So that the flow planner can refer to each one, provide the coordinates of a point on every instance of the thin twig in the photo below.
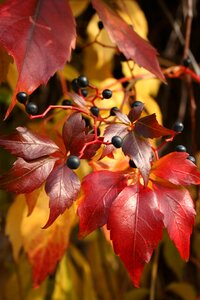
(154, 274)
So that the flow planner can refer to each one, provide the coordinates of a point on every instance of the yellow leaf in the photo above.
(45, 247)
(78, 6)
(5, 61)
(13, 224)
(133, 15)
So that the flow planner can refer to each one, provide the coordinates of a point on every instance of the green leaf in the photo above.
(184, 290)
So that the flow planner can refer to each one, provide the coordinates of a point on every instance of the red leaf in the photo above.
(28, 145)
(139, 150)
(127, 40)
(122, 117)
(62, 187)
(110, 131)
(90, 150)
(135, 112)
(177, 169)
(136, 228)
(74, 133)
(79, 100)
(41, 36)
(24, 177)
(178, 209)
(149, 127)
(100, 190)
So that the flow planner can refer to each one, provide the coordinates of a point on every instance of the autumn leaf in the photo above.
(139, 150)
(28, 145)
(136, 227)
(40, 50)
(73, 133)
(178, 210)
(5, 61)
(24, 177)
(62, 187)
(45, 248)
(177, 169)
(127, 40)
(149, 127)
(100, 190)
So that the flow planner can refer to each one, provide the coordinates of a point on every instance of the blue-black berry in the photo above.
(116, 141)
(31, 108)
(67, 102)
(136, 104)
(100, 25)
(94, 110)
(132, 164)
(84, 92)
(186, 62)
(83, 81)
(178, 126)
(73, 162)
(192, 159)
(113, 110)
(107, 94)
(180, 148)
(75, 85)
(22, 97)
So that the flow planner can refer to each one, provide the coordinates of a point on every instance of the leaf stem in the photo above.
(154, 273)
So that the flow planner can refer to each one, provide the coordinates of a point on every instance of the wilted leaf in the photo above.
(136, 228)
(28, 145)
(100, 190)
(40, 50)
(62, 187)
(127, 40)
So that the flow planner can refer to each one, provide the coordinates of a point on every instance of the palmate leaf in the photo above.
(73, 133)
(33, 39)
(136, 227)
(28, 145)
(177, 169)
(127, 40)
(62, 187)
(178, 210)
(24, 177)
(148, 127)
(139, 150)
(100, 190)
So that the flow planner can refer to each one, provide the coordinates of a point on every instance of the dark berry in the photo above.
(95, 111)
(22, 97)
(31, 108)
(83, 81)
(87, 121)
(84, 92)
(67, 102)
(107, 94)
(178, 126)
(186, 62)
(113, 110)
(73, 162)
(136, 104)
(192, 158)
(75, 85)
(116, 141)
(132, 164)
(180, 148)
(100, 25)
